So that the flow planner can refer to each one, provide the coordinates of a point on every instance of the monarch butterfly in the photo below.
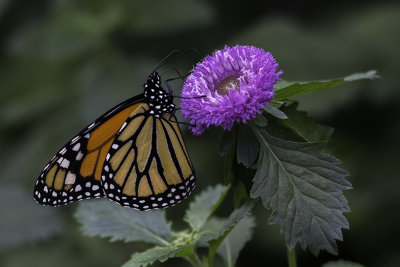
(134, 154)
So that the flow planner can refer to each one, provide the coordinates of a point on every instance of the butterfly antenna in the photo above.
(169, 57)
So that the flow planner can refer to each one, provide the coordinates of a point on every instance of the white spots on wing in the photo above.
(76, 147)
(63, 150)
(106, 168)
(95, 187)
(45, 189)
(60, 160)
(78, 188)
(76, 138)
(108, 156)
(54, 194)
(45, 168)
(88, 184)
(79, 156)
(114, 146)
(97, 195)
(123, 126)
(70, 179)
(87, 194)
(91, 126)
(87, 136)
(112, 186)
(65, 163)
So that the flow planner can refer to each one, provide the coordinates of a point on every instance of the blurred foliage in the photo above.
(63, 63)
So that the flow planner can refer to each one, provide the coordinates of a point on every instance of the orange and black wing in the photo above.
(74, 172)
(147, 166)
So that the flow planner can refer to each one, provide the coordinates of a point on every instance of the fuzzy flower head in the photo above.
(235, 82)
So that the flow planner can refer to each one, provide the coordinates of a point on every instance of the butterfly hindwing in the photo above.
(74, 172)
(148, 166)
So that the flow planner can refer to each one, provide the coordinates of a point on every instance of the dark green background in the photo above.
(63, 63)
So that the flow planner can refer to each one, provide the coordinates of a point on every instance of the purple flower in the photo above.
(236, 84)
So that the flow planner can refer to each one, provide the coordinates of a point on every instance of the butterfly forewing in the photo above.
(74, 172)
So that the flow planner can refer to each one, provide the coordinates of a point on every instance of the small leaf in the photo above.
(236, 240)
(106, 219)
(204, 205)
(234, 218)
(154, 254)
(342, 263)
(276, 112)
(304, 188)
(302, 88)
(247, 146)
(304, 126)
(225, 142)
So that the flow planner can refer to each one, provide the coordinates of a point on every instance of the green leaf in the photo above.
(235, 241)
(204, 205)
(225, 142)
(276, 112)
(155, 254)
(302, 88)
(106, 219)
(225, 228)
(304, 126)
(304, 188)
(247, 146)
(342, 263)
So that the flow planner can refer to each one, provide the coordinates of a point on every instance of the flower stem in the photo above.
(291, 254)
(194, 260)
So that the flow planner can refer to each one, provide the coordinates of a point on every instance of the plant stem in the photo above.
(291, 254)
(194, 260)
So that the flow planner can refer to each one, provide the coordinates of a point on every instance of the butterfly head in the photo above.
(158, 99)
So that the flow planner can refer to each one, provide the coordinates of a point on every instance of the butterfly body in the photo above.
(134, 155)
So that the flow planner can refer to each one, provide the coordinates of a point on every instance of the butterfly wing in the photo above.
(148, 166)
(74, 172)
